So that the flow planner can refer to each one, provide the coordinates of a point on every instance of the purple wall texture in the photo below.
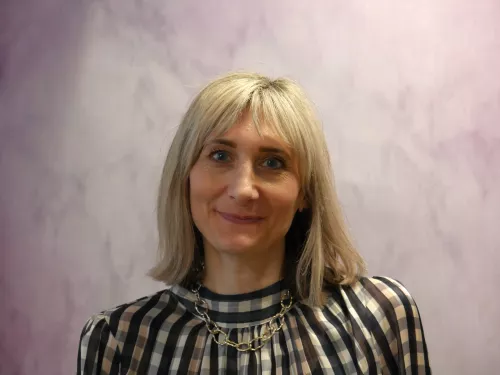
(90, 94)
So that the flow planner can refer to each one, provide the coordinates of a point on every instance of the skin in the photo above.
(244, 174)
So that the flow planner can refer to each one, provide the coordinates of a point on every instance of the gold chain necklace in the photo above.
(273, 325)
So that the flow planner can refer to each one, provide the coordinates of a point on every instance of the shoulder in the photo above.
(389, 315)
(103, 337)
(118, 320)
(382, 305)
(388, 292)
(380, 293)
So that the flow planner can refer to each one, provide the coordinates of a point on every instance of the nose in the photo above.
(242, 186)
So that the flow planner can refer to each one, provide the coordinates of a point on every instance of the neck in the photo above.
(241, 273)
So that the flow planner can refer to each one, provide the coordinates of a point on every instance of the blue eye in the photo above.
(222, 156)
(274, 163)
(219, 155)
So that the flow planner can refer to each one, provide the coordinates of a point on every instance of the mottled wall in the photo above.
(90, 94)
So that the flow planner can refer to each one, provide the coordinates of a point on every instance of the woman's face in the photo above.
(244, 190)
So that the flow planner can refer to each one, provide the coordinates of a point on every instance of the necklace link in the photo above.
(272, 326)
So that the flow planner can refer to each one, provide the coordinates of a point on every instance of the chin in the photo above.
(236, 247)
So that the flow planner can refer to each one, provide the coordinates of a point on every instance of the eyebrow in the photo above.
(227, 142)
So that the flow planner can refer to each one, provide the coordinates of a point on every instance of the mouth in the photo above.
(240, 219)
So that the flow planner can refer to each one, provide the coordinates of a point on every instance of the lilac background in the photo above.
(91, 92)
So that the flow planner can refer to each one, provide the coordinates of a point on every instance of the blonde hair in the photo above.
(319, 249)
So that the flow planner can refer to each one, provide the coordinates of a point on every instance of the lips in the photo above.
(240, 219)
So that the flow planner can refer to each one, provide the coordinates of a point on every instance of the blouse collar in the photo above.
(236, 309)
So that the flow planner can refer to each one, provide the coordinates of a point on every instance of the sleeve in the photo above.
(406, 334)
(98, 352)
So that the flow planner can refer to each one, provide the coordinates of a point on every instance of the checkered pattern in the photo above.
(372, 327)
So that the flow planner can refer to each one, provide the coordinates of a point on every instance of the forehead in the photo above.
(247, 131)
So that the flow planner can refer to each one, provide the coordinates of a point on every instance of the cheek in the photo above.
(286, 193)
(197, 179)
(285, 203)
(201, 188)
(194, 192)
(196, 202)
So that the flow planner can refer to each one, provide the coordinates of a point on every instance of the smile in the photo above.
(237, 219)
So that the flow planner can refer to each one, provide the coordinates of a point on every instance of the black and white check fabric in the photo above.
(372, 327)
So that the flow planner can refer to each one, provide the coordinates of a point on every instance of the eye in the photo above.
(274, 163)
(219, 155)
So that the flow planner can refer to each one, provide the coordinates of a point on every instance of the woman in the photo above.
(263, 275)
